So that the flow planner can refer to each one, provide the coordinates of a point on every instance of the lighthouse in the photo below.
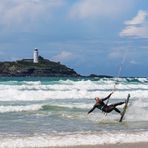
(35, 56)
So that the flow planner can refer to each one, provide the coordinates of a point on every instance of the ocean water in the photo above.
(47, 112)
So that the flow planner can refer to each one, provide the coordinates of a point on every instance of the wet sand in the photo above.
(125, 145)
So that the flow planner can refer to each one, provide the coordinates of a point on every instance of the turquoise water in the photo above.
(42, 112)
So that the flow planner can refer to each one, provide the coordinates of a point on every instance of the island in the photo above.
(44, 68)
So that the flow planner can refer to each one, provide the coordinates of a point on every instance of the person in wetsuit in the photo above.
(104, 107)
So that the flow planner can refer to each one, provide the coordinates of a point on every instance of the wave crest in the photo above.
(4, 109)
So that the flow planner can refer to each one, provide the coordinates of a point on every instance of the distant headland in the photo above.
(26, 67)
(38, 67)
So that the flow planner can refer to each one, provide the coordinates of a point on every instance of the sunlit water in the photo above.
(42, 112)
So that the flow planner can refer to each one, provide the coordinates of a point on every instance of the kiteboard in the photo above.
(124, 108)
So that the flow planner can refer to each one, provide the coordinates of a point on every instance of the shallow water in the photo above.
(37, 112)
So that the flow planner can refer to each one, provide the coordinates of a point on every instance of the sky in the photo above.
(103, 37)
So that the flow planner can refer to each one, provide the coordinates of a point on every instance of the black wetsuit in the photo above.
(106, 108)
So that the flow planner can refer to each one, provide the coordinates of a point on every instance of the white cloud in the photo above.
(63, 56)
(138, 19)
(93, 8)
(24, 12)
(136, 27)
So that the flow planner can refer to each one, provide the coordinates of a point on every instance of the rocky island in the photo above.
(39, 67)
(44, 67)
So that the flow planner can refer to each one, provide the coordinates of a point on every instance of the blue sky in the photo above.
(90, 36)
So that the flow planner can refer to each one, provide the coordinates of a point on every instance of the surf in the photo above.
(66, 139)
(71, 89)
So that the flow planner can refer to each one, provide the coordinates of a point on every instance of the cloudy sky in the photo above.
(90, 36)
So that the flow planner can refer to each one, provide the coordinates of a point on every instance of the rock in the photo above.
(26, 67)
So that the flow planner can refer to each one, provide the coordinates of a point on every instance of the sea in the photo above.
(53, 112)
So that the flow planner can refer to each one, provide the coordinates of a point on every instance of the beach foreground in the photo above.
(123, 145)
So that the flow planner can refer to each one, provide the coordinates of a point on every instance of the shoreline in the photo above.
(118, 145)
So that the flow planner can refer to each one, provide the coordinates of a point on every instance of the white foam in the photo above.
(30, 91)
(34, 95)
(142, 80)
(32, 82)
(137, 111)
(73, 139)
(4, 109)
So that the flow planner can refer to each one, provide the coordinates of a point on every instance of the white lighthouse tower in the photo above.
(35, 56)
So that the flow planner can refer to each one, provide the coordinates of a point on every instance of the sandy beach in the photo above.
(125, 145)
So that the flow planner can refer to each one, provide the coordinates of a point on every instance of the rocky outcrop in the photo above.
(26, 67)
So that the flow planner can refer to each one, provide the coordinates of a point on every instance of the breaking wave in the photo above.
(69, 89)
(20, 108)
